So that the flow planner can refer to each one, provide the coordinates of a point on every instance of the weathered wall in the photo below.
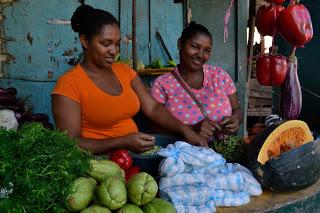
(43, 46)
(230, 55)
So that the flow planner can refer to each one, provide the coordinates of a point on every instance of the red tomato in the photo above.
(271, 70)
(131, 172)
(266, 19)
(295, 25)
(122, 158)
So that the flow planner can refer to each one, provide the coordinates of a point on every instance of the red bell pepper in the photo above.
(131, 172)
(122, 158)
(271, 70)
(277, 1)
(266, 19)
(295, 25)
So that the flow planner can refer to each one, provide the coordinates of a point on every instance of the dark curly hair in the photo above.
(89, 21)
(192, 29)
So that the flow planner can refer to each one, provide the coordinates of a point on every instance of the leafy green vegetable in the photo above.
(41, 164)
(231, 148)
(152, 151)
(155, 64)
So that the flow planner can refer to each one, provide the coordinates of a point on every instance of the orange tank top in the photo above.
(102, 115)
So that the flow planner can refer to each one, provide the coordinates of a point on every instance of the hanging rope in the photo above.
(226, 21)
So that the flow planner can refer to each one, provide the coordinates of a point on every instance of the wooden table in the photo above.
(305, 201)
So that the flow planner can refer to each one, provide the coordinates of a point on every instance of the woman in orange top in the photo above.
(96, 100)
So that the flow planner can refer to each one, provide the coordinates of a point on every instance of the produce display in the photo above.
(152, 151)
(122, 158)
(291, 95)
(295, 25)
(142, 188)
(39, 165)
(43, 170)
(231, 148)
(130, 208)
(23, 112)
(102, 169)
(271, 70)
(285, 157)
(158, 205)
(266, 19)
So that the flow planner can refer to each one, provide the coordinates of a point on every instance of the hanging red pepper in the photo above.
(122, 158)
(277, 1)
(266, 19)
(131, 172)
(271, 70)
(295, 25)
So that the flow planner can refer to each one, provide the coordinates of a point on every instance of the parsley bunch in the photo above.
(41, 165)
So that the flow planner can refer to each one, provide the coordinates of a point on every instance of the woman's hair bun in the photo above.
(81, 13)
(192, 23)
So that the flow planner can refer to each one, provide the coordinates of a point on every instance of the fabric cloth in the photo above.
(217, 86)
(102, 115)
(197, 179)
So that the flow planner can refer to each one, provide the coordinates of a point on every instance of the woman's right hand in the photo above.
(207, 128)
(139, 142)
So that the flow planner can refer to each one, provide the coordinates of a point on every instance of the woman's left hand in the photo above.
(195, 139)
(230, 124)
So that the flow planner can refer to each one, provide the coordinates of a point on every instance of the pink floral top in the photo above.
(217, 86)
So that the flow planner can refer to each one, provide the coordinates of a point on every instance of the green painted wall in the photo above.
(230, 55)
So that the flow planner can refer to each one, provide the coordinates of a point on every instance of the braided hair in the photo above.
(89, 21)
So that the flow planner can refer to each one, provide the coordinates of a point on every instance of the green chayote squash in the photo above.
(130, 208)
(158, 205)
(101, 169)
(95, 209)
(112, 193)
(81, 193)
(142, 188)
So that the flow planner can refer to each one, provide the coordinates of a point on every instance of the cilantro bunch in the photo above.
(40, 165)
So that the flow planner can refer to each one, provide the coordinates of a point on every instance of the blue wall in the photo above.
(43, 46)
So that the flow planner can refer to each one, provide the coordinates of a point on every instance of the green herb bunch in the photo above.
(41, 164)
(231, 148)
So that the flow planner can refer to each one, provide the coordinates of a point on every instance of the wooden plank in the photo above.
(254, 84)
(259, 111)
(260, 93)
(305, 200)
(259, 102)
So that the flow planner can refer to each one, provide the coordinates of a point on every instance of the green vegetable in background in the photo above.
(155, 64)
(95, 209)
(158, 205)
(102, 169)
(231, 148)
(112, 193)
(81, 193)
(171, 63)
(130, 208)
(152, 151)
(142, 188)
(41, 164)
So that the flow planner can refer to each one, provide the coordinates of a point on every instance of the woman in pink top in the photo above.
(212, 86)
